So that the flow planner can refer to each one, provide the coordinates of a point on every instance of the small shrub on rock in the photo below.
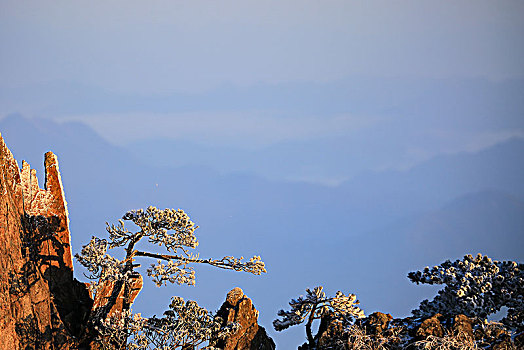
(316, 306)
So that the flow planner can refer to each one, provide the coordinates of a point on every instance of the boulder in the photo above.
(376, 323)
(430, 326)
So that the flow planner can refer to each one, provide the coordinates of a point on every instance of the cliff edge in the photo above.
(41, 305)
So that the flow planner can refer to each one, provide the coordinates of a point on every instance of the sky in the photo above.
(252, 75)
(158, 47)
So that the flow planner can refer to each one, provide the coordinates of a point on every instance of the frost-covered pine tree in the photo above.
(185, 323)
(476, 287)
(314, 306)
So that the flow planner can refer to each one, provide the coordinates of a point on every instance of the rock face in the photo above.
(41, 305)
(106, 290)
(36, 270)
(251, 336)
(376, 323)
(430, 326)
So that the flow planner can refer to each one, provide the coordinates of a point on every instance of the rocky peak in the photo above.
(41, 305)
(251, 336)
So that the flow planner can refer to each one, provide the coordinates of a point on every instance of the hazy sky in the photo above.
(155, 47)
(409, 77)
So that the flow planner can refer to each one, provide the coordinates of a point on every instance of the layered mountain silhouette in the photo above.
(362, 236)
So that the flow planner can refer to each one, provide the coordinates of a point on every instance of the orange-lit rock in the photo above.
(239, 308)
(41, 305)
(107, 289)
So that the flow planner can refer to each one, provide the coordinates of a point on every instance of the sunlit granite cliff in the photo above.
(42, 306)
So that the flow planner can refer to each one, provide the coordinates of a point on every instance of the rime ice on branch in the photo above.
(476, 287)
(174, 230)
(315, 305)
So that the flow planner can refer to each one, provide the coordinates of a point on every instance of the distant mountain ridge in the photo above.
(487, 221)
(409, 110)
(348, 237)
(325, 160)
(434, 182)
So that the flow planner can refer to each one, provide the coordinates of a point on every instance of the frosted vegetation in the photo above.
(185, 324)
(315, 306)
(476, 287)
